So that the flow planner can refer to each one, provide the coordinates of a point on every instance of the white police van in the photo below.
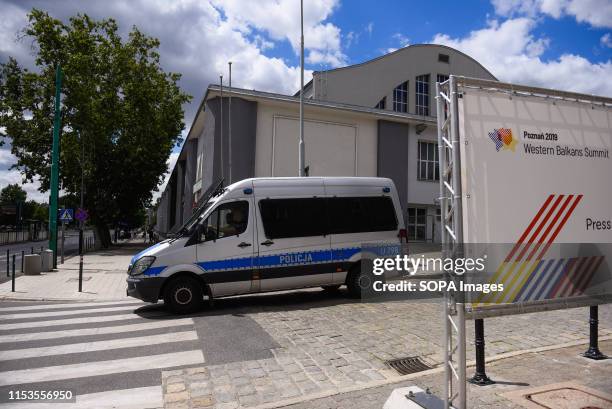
(269, 234)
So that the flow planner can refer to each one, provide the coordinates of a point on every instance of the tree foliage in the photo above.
(12, 194)
(121, 113)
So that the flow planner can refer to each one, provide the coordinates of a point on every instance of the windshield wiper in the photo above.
(213, 191)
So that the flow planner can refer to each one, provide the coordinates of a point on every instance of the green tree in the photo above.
(12, 194)
(121, 114)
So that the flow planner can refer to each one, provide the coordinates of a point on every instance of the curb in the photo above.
(402, 378)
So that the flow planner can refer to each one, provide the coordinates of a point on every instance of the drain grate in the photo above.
(408, 365)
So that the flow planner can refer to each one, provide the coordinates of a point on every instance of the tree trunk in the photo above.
(103, 234)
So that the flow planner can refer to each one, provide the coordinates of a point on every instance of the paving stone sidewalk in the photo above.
(331, 346)
(521, 372)
(104, 274)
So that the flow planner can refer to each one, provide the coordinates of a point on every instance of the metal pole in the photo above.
(7, 263)
(301, 161)
(22, 259)
(229, 125)
(63, 240)
(458, 250)
(55, 154)
(13, 277)
(461, 370)
(221, 125)
(82, 205)
(445, 310)
(480, 378)
(593, 352)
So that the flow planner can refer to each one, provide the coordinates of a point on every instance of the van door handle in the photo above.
(267, 243)
(244, 244)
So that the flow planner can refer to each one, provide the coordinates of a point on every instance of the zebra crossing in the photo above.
(109, 354)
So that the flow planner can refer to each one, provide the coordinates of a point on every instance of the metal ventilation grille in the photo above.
(408, 365)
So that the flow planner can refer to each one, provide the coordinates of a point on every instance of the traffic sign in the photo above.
(65, 215)
(81, 215)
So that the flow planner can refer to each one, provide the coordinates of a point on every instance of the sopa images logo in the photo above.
(503, 139)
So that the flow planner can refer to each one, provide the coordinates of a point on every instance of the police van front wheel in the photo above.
(184, 295)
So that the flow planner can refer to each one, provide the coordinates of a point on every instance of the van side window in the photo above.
(284, 218)
(229, 219)
(361, 214)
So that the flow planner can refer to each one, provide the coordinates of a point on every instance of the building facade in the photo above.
(371, 119)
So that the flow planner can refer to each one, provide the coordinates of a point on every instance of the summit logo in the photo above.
(503, 139)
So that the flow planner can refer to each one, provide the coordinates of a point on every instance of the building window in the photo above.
(422, 94)
(400, 98)
(428, 168)
(442, 78)
(382, 104)
(417, 223)
(443, 58)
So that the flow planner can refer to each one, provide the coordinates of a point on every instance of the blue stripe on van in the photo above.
(154, 271)
(230, 264)
(279, 260)
(276, 260)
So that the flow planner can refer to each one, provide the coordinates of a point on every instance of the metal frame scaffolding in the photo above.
(452, 241)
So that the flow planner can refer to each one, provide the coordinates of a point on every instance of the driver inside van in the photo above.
(235, 222)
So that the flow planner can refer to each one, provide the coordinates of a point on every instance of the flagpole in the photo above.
(301, 142)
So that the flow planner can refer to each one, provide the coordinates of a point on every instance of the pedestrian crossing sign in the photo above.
(65, 215)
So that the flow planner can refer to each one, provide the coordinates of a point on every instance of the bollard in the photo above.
(7, 263)
(22, 257)
(32, 252)
(480, 378)
(13, 278)
(593, 352)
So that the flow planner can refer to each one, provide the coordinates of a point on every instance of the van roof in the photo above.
(310, 180)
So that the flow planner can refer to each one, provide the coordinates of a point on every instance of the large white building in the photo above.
(371, 119)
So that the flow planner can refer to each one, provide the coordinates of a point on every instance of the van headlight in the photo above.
(141, 265)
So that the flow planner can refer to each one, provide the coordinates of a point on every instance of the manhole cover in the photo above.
(569, 398)
(408, 365)
(565, 395)
(76, 279)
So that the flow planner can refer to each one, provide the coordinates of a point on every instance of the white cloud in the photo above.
(597, 13)
(606, 40)
(369, 28)
(280, 19)
(511, 52)
(8, 177)
(6, 158)
(401, 39)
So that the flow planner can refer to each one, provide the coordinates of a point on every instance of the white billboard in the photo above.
(536, 175)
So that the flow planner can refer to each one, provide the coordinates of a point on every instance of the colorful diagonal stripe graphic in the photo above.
(525, 273)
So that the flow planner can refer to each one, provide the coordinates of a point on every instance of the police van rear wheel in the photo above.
(360, 283)
(184, 295)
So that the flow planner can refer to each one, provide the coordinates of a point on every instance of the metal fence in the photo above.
(17, 236)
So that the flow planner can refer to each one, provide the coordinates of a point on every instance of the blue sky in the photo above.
(565, 44)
